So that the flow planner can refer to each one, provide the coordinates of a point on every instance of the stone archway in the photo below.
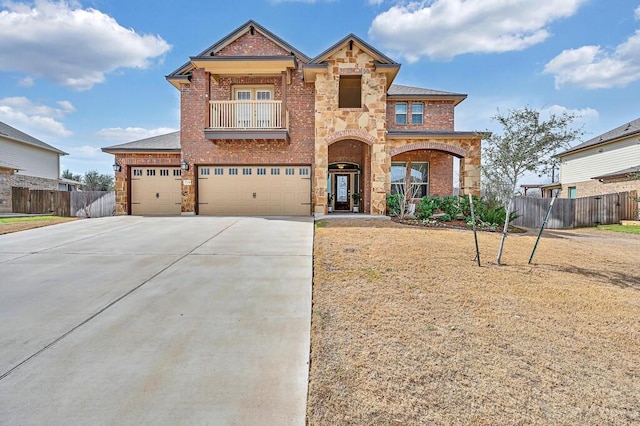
(356, 134)
(435, 146)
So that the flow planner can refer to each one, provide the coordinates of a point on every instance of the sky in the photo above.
(82, 75)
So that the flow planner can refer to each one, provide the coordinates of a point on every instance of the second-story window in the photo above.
(417, 109)
(401, 113)
(350, 91)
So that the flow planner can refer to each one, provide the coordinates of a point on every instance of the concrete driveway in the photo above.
(174, 320)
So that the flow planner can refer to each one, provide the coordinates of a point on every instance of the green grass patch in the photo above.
(321, 224)
(8, 220)
(627, 229)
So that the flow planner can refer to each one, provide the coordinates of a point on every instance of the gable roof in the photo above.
(18, 136)
(398, 91)
(375, 53)
(169, 142)
(624, 131)
(381, 62)
(251, 25)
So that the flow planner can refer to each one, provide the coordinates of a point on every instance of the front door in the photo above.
(343, 190)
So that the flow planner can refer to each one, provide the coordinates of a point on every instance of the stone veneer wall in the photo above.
(127, 161)
(8, 180)
(366, 124)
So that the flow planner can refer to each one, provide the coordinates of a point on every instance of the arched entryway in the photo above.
(349, 174)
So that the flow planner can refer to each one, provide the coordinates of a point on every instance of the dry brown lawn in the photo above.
(407, 329)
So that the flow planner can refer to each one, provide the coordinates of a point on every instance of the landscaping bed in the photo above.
(407, 329)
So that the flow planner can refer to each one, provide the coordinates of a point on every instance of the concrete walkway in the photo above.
(176, 320)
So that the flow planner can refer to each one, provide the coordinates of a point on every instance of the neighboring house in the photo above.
(605, 164)
(267, 130)
(26, 162)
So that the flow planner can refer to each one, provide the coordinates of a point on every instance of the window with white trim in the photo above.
(398, 177)
(419, 179)
(417, 109)
(401, 113)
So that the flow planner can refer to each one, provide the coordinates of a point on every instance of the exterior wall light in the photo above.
(116, 167)
(184, 165)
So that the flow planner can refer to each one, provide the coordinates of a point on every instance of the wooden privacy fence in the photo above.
(93, 203)
(63, 203)
(573, 213)
(38, 201)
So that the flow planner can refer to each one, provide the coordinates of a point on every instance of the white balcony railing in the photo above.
(246, 115)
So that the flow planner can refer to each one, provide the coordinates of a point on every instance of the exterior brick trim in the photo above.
(357, 134)
(454, 150)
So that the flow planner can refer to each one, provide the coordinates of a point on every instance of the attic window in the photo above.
(350, 89)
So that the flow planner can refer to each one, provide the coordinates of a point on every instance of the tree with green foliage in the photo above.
(94, 181)
(67, 174)
(526, 145)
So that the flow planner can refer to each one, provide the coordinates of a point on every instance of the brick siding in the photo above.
(436, 116)
(130, 160)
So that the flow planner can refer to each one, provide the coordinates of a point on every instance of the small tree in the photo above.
(526, 144)
(405, 192)
(92, 181)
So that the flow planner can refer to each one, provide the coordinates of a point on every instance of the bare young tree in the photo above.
(527, 144)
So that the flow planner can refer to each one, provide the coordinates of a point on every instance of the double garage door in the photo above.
(254, 190)
(156, 190)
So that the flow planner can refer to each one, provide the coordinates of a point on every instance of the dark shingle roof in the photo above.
(400, 90)
(626, 172)
(628, 129)
(167, 142)
(15, 134)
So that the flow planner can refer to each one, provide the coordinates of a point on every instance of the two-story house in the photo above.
(605, 164)
(27, 162)
(267, 130)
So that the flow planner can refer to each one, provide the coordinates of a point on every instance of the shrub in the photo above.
(426, 207)
(449, 205)
(445, 218)
(393, 204)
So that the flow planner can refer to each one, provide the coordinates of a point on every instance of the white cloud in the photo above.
(72, 46)
(593, 67)
(638, 13)
(375, 2)
(26, 82)
(35, 119)
(129, 134)
(585, 118)
(86, 152)
(442, 29)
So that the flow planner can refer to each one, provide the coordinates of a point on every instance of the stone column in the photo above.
(320, 176)
(379, 178)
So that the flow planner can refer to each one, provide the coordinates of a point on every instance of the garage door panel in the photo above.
(156, 191)
(254, 190)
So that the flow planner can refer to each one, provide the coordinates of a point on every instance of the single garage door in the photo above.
(156, 190)
(254, 190)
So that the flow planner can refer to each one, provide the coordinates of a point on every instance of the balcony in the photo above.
(247, 120)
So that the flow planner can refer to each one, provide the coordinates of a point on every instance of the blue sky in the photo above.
(82, 75)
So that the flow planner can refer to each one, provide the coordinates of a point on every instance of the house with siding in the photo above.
(26, 162)
(268, 130)
(605, 164)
